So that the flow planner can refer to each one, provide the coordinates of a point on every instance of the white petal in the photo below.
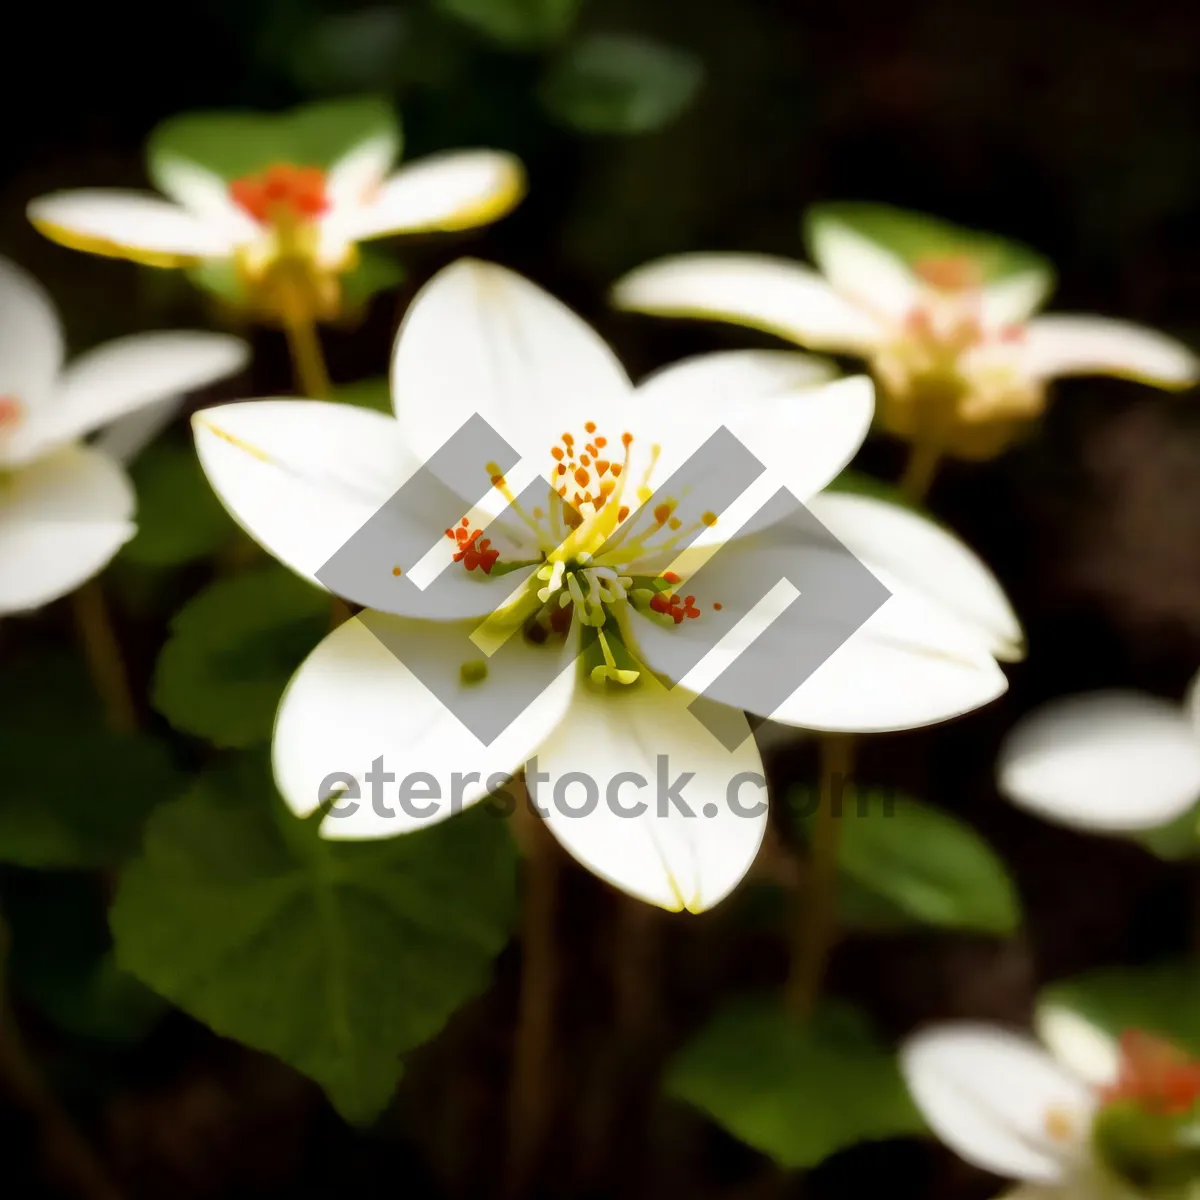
(1110, 761)
(124, 375)
(353, 701)
(128, 436)
(133, 225)
(301, 476)
(781, 406)
(61, 519)
(481, 339)
(1014, 299)
(996, 1098)
(355, 177)
(206, 195)
(775, 294)
(31, 343)
(863, 271)
(926, 557)
(1083, 1048)
(909, 663)
(444, 192)
(1061, 344)
(661, 856)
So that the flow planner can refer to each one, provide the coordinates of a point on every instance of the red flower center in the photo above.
(282, 192)
(10, 413)
(1155, 1075)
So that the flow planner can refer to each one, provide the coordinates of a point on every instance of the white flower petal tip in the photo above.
(999, 1100)
(1064, 344)
(928, 558)
(778, 295)
(1104, 761)
(1078, 1044)
(641, 793)
(480, 339)
(122, 376)
(301, 476)
(446, 193)
(133, 225)
(31, 342)
(61, 521)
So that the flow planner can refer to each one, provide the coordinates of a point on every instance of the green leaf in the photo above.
(373, 273)
(914, 236)
(233, 649)
(518, 24)
(614, 83)
(904, 859)
(366, 393)
(351, 51)
(234, 144)
(75, 794)
(179, 516)
(1177, 840)
(1163, 999)
(796, 1092)
(337, 957)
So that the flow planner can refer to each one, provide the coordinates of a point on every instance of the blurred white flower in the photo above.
(290, 230)
(1097, 1120)
(961, 363)
(1107, 761)
(66, 507)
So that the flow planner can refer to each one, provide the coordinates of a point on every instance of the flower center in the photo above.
(281, 195)
(598, 526)
(1147, 1130)
(11, 411)
(1155, 1075)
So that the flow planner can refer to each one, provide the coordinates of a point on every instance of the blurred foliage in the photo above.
(904, 862)
(798, 1091)
(337, 957)
(82, 793)
(232, 650)
(178, 516)
(236, 144)
(914, 237)
(1159, 999)
(611, 83)
(522, 24)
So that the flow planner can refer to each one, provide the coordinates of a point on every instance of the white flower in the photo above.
(1107, 761)
(65, 507)
(303, 477)
(286, 213)
(959, 361)
(1097, 1120)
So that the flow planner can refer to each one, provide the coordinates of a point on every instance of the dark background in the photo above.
(1069, 124)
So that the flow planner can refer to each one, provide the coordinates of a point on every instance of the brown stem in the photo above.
(102, 652)
(71, 1159)
(816, 919)
(530, 1098)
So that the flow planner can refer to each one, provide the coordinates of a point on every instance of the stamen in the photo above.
(282, 193)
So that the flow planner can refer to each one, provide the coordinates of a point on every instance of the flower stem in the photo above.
(816, 920)
(304, 346)
(530, 1098)
(920, 470)
(103, 654)
(68, 1154)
